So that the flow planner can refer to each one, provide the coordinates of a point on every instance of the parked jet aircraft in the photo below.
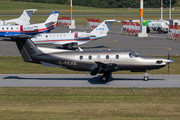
(95, 62)
(68, 40)
(22, 20)
(32, 29)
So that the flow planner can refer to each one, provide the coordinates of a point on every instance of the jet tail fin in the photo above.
(103, 28)
(26, 48)
(23, 19)
(53, 17)
(26, 16)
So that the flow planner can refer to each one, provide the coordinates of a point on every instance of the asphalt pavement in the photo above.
(80, 80)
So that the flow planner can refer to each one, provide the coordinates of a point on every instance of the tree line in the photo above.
(109, 3)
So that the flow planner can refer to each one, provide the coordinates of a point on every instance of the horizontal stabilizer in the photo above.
(104, 27)
(51, 50)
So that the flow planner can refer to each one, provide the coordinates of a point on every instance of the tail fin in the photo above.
(26, 16)
(26, 48)
(53, 17)
(23, 19)
(104, 27)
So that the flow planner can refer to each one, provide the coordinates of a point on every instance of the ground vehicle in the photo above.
(161, 26)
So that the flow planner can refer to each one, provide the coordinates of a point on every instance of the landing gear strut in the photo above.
(107, 75)
(146, 78)
(68, 46)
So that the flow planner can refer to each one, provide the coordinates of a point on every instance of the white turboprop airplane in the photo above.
(32, 29)
(22, 20)
(68, 40)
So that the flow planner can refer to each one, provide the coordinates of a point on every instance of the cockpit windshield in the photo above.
(134, 55)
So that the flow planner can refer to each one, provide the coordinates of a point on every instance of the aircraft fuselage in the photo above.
(86, 60)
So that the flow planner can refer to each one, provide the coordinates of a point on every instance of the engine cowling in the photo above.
(21, 28)
(81, 35)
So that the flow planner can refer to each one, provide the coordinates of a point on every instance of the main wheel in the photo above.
(104, 78)
(146, 78)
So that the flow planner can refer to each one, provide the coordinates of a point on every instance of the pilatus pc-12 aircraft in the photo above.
(95, 62)
(68, 40)
(32, 29)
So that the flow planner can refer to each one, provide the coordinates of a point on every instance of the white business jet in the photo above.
(68, 40)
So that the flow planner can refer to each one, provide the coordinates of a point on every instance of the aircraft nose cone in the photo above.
(170, 61)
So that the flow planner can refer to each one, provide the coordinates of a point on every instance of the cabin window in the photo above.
(17, 28)
(11, 28)
(64, 35)
(46, 36)
(81, 57)
(2, 28)
(98, 57)
(90, 57)
(117, 56)
(53, 35)
(7, 28)
(50, 36)
(107, 57)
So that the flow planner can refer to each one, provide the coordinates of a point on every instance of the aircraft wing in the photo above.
(65, 43)
(102, 67)
(106, 65)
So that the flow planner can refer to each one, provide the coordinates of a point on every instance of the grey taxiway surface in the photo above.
(155, 44)
(71, 80)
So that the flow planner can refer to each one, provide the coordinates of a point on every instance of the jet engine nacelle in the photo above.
(81, 35)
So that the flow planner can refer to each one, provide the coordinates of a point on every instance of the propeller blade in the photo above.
(168, 68)
(168, 59)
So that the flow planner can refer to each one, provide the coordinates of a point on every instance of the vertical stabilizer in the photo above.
(53, 17)
(26, 16)
(26, 47)
(23, 19)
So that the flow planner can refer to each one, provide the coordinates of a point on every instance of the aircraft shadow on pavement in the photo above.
(93, 80)
(7, 39)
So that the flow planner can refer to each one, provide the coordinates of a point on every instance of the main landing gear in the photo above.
(146, 78)
(106, 76)
(68, 46)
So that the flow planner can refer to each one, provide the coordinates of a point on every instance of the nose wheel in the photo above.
(146, 78)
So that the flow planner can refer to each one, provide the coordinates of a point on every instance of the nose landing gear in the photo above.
(146, 78)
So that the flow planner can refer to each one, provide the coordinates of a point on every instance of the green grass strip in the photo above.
(89, 103)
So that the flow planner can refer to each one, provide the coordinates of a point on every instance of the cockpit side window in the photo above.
(137, 54)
